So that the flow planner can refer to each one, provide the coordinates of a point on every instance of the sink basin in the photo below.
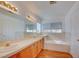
(7, 48)
(9, 45)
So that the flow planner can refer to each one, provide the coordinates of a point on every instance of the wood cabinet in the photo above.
(31, 51)
(27, 52)
(37, 47)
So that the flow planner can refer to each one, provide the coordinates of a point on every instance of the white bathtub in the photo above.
(57, 45)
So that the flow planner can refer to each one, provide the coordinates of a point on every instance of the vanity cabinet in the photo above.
(30, 51)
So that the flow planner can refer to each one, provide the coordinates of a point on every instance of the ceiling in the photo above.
(43, 11)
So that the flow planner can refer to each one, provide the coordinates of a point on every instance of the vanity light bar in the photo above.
(8, 5)
(31, 18)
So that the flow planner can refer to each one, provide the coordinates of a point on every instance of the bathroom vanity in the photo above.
(27, 48)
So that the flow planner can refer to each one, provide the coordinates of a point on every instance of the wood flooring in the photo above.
(53, 54)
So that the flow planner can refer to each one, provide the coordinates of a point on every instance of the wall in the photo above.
(72, 27)
(75, 31)
(11, 27)
(67, 23)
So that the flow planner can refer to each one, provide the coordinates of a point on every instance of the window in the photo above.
(52, 27)
(38, 27)
(31, 28)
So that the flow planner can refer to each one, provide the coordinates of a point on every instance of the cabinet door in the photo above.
(26, 53)
(35, 49)
(40, 45)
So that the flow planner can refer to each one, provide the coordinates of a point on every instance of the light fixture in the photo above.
(31, 18)
(8, 5)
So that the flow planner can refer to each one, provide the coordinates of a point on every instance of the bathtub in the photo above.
(57, 45)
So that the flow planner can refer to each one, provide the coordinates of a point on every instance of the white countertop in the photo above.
(18, 46)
